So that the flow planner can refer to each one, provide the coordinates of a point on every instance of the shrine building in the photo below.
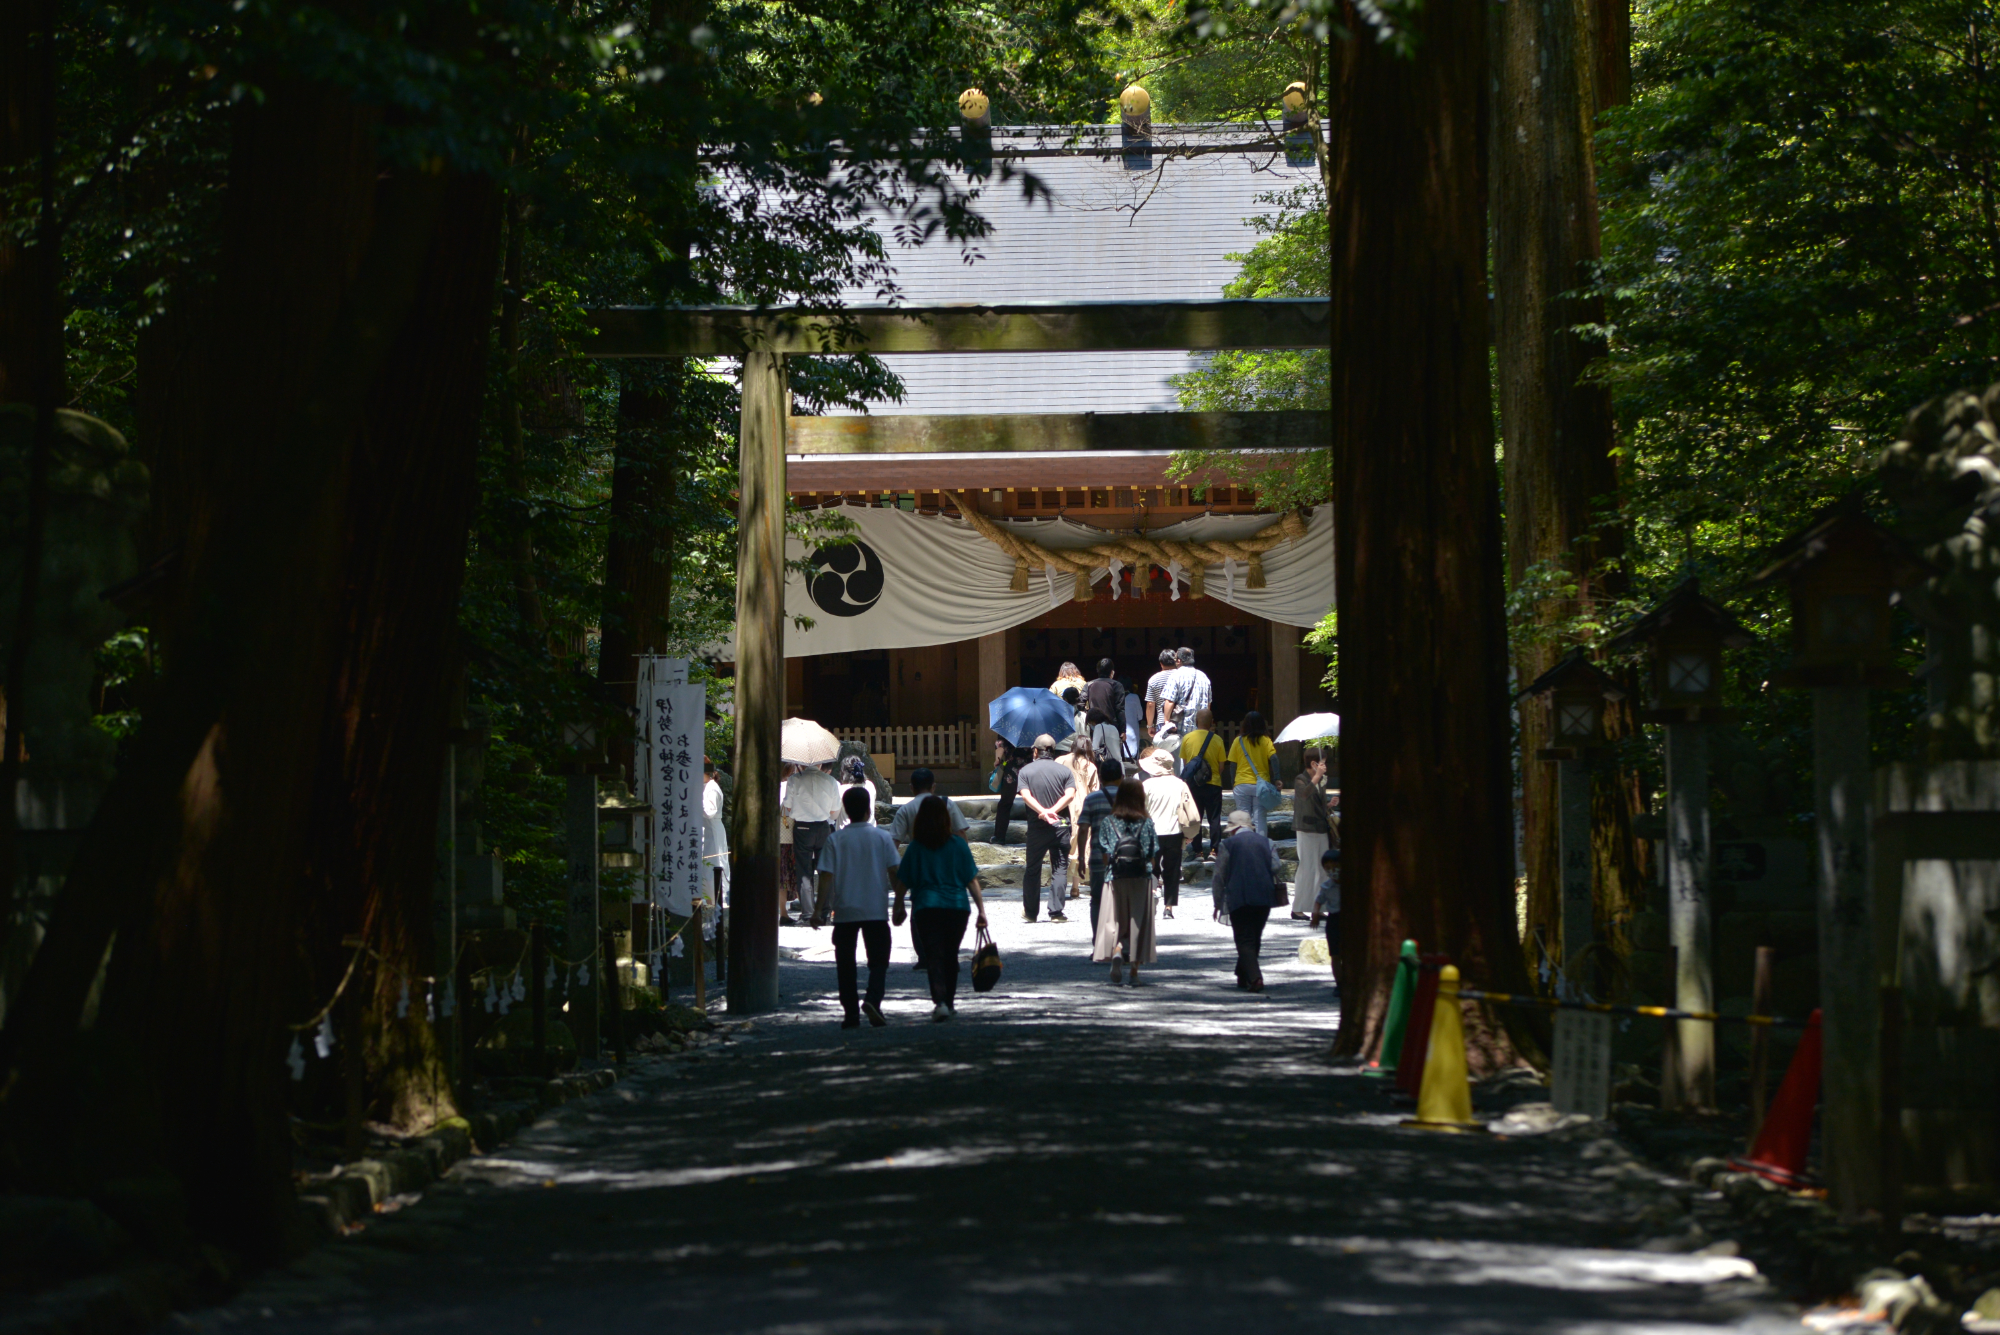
(932, 611)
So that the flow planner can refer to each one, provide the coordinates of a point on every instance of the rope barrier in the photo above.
(1136, 549)
(1608, 1008)
(333, 1000)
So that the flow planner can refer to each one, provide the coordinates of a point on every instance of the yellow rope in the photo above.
(1138, 550)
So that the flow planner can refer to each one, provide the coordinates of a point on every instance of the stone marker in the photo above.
(1581, 1081)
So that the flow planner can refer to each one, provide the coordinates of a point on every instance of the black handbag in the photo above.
(985, 963)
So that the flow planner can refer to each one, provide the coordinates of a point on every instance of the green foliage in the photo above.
(1799, 229)
(1799, 233)
(124, 666)
(1290, 260)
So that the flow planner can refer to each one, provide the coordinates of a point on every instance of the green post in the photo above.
(1400, 998)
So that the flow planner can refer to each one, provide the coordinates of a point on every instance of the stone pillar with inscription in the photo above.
(1848, 1003)
(580, 824)
(1688, 915)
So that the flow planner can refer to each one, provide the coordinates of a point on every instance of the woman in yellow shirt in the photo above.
(1202, 739)
(1252, 751)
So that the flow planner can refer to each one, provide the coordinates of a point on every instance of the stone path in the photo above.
(1065, 1157)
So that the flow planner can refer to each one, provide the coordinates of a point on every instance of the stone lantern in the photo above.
(1135, 128)
(1843, 572)
(975, 130)
(1684, 637)
(1576, 691)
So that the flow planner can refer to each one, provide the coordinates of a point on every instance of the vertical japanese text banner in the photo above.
(673, 736)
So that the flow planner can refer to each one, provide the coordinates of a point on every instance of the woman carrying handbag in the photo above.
(1251, 754)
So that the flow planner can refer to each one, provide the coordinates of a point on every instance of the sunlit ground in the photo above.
(1066, 1156)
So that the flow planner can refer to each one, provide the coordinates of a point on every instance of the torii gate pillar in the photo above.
(760, 686)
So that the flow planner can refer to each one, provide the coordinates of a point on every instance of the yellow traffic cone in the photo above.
(1444, 1102)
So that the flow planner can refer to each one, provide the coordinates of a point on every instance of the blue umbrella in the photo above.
(1026, 712)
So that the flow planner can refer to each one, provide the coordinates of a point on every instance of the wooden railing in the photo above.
(959, 745)
(931, 745)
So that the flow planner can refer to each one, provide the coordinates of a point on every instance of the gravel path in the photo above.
(1065, 1157)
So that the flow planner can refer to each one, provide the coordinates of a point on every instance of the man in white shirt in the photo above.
(812, 796)
(1189, 690)
(1159, 711)
(922, 781)
(854, 870)
(714, 837)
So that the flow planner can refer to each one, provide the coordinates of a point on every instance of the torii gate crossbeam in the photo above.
(763, 337)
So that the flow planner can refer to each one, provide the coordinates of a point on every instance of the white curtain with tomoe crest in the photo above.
(908, 580)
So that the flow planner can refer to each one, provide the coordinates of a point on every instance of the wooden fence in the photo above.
(959, 745)
(931, 745)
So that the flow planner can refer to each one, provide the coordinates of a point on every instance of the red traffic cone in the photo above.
(1417, 1036)
(1780, 1152)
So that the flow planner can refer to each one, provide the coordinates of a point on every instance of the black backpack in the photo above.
(1128, 858)
(1197, 770)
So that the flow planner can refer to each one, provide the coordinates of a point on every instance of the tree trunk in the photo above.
(372, 864)
(196, 848)
(31, 360)
(1427, 834)
(1558, 431)
(521, 541)
(639, 551)
(28, 356)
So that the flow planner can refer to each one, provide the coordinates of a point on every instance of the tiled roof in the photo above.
(1102, 232)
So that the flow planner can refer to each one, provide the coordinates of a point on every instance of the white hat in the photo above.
(1242, 820)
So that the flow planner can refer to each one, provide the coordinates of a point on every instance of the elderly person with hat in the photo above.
(1247, 888)
(1048, 786)
(1170, 802)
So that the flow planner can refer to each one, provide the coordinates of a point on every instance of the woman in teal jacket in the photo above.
(938, 874)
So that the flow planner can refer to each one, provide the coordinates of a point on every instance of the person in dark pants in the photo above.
(854, 880)
(1327, 905)
(938, 874)
(1095, 808)
(1246, 888)
(1203, 742)
(1007, 765)
(1047, 786)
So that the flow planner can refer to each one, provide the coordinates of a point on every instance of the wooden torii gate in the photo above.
(764, 337)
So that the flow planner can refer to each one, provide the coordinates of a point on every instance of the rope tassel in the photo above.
(1020, 584)
(1256, 580)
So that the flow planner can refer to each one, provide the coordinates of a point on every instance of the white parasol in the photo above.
(804, 742)
(1310, 728)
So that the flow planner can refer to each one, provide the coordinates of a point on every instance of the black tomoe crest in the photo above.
(846, 579)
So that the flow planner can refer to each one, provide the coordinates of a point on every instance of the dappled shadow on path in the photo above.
(1064, 1157)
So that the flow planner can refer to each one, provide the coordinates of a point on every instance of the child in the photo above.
(1327, 903)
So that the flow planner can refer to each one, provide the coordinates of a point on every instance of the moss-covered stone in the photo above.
(508, 1047)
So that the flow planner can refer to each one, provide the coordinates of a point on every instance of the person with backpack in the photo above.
(1247, 888)
(1172, 808)
(1082, 762)
(1104, 712)
(1159, 722)
(1096, 806)
(1250, 754)
(1006, 782)
(1130, 849)
(1203, 757)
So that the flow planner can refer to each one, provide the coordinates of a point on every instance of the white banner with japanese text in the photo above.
(671, 730)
